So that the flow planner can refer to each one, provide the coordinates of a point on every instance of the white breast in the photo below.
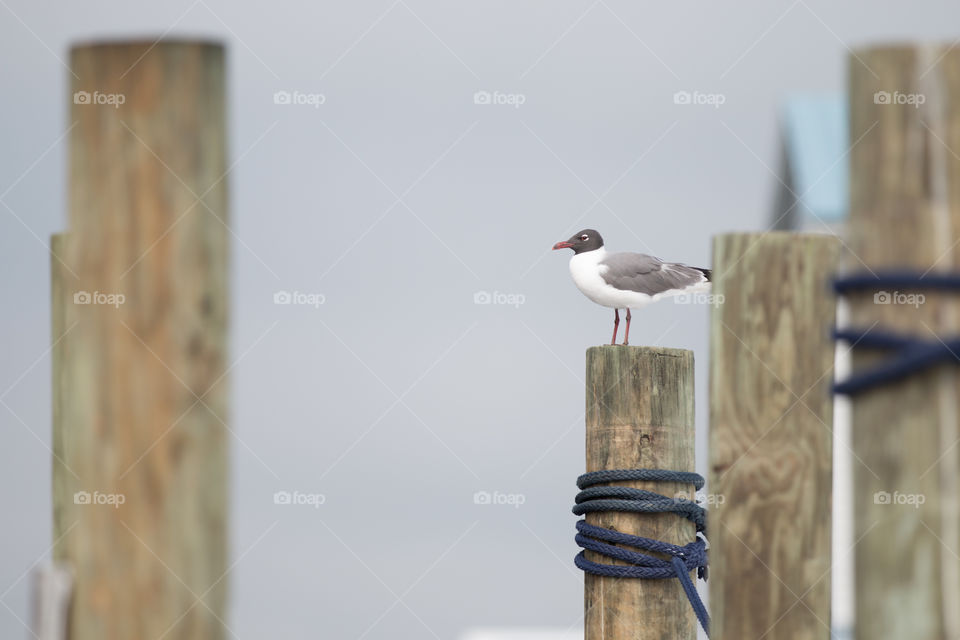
(587, 274)
(585, 269)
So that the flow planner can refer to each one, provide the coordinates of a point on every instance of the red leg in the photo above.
(616, 323)
(626, 334)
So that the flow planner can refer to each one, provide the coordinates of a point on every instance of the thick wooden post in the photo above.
(905, 213)
(771, 416)
(640, 415)
(139, 400)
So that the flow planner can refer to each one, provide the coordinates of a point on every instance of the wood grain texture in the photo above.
(128, 376)
(905, 212)
(771, 416)
(640, 415)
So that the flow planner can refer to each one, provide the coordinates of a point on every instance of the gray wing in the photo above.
(649, 275)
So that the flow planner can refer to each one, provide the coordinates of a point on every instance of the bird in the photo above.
(627, 280)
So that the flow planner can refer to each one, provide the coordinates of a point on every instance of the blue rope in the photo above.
(682, 560)
(897, 278)
(911, 354)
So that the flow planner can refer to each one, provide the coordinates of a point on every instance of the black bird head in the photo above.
(586, 240)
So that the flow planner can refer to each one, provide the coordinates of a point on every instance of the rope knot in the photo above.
(683, 559)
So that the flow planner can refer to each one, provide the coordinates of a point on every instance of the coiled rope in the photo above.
(910, 353)
(599, 540)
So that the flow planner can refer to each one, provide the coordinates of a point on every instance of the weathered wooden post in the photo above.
(771, 411)
(905, 213)
(640, 415)
(140, 476)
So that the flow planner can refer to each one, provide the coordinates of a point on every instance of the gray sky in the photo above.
(398, 199)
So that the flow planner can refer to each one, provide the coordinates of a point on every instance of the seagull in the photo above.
(625, 280)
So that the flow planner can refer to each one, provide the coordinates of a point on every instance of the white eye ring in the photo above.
(584, 237)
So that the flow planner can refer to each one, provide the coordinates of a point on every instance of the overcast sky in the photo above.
(399, 199)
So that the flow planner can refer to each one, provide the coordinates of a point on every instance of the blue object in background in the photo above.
(815, 164)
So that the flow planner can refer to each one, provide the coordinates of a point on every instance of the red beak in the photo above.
(562, 245)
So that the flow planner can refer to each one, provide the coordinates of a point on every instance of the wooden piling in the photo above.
(905, 213)
(771, 415)
(640, 415)
(140, 476)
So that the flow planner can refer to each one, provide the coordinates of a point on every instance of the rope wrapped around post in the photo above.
(683, 559)
(911, 354)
